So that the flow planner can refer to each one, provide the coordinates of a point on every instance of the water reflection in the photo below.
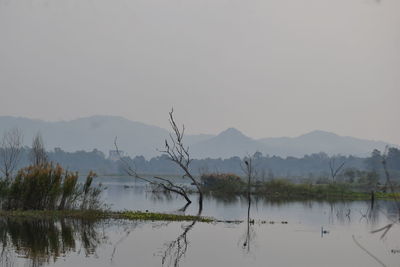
(177, 248)
(249, 234)
(262, 235)
(43, 241)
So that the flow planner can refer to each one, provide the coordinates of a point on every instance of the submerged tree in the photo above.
(176, 152)
(179, 154)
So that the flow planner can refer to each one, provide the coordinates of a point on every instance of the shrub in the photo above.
(222, 183)
(48, 187)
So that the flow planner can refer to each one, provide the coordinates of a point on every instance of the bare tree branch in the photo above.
(10, 150)
(164, 183)
(179, 154)
(38, 153)
(333, 169)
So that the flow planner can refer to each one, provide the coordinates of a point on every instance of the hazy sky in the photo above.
(266, 67)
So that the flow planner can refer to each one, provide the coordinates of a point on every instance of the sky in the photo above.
(267, 67)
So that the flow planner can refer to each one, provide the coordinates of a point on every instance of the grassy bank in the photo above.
(280, 189)
(95, 215)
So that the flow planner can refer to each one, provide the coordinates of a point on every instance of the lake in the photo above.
(306, 233)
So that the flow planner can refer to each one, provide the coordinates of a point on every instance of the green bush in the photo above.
(48, 187)
(222, 183)
(279, 188)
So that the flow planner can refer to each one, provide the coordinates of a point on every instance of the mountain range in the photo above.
(136, 138)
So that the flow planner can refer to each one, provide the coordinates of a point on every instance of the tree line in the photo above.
(314, 166)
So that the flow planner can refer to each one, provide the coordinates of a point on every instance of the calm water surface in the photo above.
(345, 239)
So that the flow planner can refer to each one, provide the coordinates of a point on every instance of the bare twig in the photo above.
(333, 169)
(10, 150)
(38, 153)
(179, 154)
(164, 183)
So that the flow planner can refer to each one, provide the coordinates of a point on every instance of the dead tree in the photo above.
(158, 182)
(389, 182)
(38, 155)
(334, 170)
(10, 150)
(179, 154)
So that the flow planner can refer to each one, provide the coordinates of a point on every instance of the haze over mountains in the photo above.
(136, 138)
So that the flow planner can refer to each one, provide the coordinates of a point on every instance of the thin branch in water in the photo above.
(366, 251)
(385, 230)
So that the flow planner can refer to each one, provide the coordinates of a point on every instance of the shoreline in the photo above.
(100, 215)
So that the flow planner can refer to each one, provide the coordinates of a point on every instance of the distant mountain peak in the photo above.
(232, 132)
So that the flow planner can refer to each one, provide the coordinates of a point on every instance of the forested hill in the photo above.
(314, 165)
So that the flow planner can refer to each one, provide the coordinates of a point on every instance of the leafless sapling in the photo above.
(38, 155)
(10, 151)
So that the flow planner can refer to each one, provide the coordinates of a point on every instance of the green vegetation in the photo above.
(284, 189)
(231, 184)
(146, 216)
(224, 183)
(97, 214)
(47, 191)
(48, 187)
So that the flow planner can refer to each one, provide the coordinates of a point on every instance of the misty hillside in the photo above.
(137, 138)
(228, 143)
(321, 141)
(92, 132)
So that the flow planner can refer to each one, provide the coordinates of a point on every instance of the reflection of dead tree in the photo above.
(370, 215)
(179, 154)
(249, 235)
(389, 181)
(389, 184)
(177, 248)
(366, 251)
(334, 170)
(248, 169)
(127, 232)
(10, 150)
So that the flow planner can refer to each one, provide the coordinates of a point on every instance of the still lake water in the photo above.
(269, 241)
